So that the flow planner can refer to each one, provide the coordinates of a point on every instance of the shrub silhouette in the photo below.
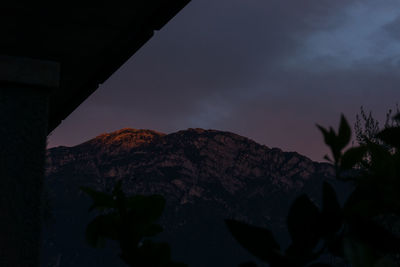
(367, 127)
(354, 231)
(131, 221)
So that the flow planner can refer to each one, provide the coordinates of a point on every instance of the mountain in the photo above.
(206, 176)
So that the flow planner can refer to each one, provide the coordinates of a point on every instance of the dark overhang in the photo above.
(90, 43)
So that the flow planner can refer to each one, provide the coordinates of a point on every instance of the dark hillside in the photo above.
(205, 176)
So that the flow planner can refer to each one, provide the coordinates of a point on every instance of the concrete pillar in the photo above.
(25, 85)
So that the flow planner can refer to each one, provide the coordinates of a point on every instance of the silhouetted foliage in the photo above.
(131, 221)
(367, 127)
(353, 231)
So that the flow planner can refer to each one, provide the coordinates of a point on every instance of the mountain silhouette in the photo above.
(206, 176)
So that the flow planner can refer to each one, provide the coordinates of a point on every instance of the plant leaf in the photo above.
(390, 136)
(152, 230)
(331, 140)
(101, 200)
(397, 117)
(258, 241)
(353, 156)
(358, 253)
(344, 134)
(101, 227)
(304, 222)
(148, 208)
(331, 214)
(329, 137)
(299, 255)
(374, 235)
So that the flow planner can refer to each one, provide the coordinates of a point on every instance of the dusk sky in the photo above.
(265, 69)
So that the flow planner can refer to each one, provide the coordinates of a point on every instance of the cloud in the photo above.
(216, 48)
(393, 28)
(256, 67)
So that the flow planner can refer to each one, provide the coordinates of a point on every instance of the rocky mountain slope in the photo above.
(205, 176)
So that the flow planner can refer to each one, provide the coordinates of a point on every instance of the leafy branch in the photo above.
(131, 221)
(353, 231)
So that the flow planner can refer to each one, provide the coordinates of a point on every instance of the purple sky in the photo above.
(265, 69)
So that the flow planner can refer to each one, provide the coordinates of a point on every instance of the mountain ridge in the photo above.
(205, 175)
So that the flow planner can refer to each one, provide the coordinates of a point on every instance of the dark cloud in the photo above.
(285, 116)
(393, 28)
(245, 66)
(222, 50)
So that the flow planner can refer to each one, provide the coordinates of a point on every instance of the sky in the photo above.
(265, 69)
